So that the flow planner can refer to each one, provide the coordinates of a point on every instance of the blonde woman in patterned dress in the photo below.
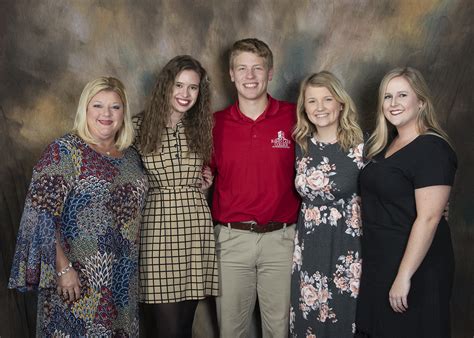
(326, 261)
(78, 240)
(177, 253)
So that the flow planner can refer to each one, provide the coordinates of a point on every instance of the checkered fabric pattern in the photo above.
(177, 247)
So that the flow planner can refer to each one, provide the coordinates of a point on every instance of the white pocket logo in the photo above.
(281, 141)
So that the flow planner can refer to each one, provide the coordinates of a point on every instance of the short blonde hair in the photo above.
(349, 134)
(426, 119)
(251, 45)
(125, 135)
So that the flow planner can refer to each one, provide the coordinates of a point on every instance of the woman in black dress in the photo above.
(408, 263)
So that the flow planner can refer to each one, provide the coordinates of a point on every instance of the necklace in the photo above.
(326, 142)
(99, 149)
(398, 144)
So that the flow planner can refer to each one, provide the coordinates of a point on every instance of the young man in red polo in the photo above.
(255, 204)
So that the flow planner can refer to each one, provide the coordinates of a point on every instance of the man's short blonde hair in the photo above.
(251, 45)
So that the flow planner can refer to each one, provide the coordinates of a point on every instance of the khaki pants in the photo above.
(251, 265)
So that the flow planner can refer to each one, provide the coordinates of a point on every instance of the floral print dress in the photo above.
(93, 202)
(326, 261)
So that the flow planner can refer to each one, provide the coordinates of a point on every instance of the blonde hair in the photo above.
(426, 120)
(254, 46)
(125, 135)
(349, 133)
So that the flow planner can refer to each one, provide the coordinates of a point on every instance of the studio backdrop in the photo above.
(49, 49)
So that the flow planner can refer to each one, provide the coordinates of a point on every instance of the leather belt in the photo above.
(254, 226)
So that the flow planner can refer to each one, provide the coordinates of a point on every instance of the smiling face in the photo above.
(401, 104)
(322, 108)
(185, 91)
(251, 75)
(104, 116)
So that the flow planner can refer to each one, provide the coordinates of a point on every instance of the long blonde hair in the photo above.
(349, 133)
(125, 135)
(426, 120)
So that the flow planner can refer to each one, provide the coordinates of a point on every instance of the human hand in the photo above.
(207, 178)
(399, 293)
(69, 285)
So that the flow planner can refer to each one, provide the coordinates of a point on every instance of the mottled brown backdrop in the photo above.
(49, 49)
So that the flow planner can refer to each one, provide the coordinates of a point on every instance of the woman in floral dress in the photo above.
(78, 238)
(326, 262)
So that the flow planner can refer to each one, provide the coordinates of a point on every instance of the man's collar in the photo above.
(271, 109)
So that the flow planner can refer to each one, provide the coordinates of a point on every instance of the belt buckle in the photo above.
(253, 226)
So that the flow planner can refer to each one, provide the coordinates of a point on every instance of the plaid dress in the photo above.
(177, 247)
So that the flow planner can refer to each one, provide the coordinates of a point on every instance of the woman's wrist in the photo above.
(65, 270)
(403, 274)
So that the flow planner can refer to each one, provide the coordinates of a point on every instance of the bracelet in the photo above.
(65, 270)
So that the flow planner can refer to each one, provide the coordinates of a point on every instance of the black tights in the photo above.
(170, 320)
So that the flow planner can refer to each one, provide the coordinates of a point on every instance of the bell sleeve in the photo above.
(34, 261)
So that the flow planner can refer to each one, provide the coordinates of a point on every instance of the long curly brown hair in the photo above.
(198, 120)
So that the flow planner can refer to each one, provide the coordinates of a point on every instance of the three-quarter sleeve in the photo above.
(34, 261)
(435, 163)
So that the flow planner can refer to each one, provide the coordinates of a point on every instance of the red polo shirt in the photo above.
(253, 164)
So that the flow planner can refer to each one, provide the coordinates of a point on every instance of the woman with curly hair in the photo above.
(177, 253)
(326, 259)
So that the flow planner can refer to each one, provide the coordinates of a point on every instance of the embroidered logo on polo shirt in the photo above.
(281, 141)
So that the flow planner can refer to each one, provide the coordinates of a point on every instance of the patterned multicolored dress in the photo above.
(94, 203)
(326, 261)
